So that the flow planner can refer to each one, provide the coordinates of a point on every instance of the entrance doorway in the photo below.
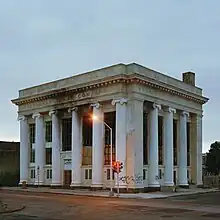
(67, 178)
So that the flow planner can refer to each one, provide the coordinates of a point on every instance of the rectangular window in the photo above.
(86, 174)
(110, 120)
(48, 152)
(90, 174)
(32, 133)
(160, 174)
(188, 143)
(175, 142)
(160, 139)
(32, 173)
(109, 174)
(144, 174)
(87, 155)
(145, 135)
(87, 130)
(32, 155)
(49, 174)
(66, 134)
(48, 131)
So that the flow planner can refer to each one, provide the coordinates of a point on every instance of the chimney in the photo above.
(189, 78)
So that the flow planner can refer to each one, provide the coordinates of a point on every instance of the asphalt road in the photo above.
(40, 206)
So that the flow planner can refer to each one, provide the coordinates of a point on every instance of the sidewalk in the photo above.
(181, 192)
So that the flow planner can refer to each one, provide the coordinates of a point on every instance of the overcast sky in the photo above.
(46, 40)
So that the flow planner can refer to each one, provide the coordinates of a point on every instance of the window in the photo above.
(66, 134)
(48, 131)
(110, 119)
(32, 155)
(49, 174)
(48, 152)
(175, 142)
(32, 133)
(144, 174)
(87, 155)
(160, 174)
(145, 143)
(188, 143)
(109, 174)
(87, 130)
(88, 174)
(32, 173)
(160, 140)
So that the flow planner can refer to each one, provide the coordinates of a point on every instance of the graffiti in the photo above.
(131, 179)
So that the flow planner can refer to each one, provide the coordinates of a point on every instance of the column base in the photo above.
(168, 184)
(55, 185)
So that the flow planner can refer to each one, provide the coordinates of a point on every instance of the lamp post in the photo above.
(95, 118)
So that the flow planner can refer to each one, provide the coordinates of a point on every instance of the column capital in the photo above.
(53, 112)
(185, 113)
(170, 110)
(96, 105)
(121, 101)
(21, 118)
(36, 115)
(155, 105)
(73, 109)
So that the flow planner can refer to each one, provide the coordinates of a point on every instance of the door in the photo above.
(67, 178)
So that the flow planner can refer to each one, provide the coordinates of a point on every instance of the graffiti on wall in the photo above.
(138, 179)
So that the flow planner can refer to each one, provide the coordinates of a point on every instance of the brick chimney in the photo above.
(189, 78)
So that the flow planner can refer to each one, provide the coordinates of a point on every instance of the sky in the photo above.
(45, 40)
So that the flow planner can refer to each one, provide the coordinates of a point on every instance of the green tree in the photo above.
(213, 159)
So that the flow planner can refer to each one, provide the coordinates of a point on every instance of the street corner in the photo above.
(10, 207)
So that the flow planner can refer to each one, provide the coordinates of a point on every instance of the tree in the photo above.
(213, 159)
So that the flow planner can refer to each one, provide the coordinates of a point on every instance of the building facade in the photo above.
(156, 124)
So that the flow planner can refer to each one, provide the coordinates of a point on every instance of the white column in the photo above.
(168, 147)
(121, 135)
(97, 147)
(39, 149)
(56, 172)
(153, 149)
(76, 147)
(199, 181)
(24, 150)
(183, 181)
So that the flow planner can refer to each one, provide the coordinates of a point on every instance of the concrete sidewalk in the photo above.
(181, 192)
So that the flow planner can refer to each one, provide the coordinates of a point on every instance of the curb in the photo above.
(111, 197)
(13, 210)
(188, 194)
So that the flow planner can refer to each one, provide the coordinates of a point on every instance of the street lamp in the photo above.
(95, 118)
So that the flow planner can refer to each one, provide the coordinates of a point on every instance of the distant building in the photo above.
(9, 157)
(62, 146)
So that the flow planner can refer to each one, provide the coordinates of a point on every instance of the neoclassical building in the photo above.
(156, 126)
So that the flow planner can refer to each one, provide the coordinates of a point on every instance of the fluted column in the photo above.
(121, 135)
(168, 147)
(183, 181)
(24, 150)
(97, 147)
(39, 149)
(153, 149)
(56, 172)
(76, 147)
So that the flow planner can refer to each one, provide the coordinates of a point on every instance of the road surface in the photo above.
(43, 206)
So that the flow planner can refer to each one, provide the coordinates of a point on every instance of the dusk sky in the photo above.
(44, 40)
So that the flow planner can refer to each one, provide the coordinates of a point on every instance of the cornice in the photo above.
(122, 79)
